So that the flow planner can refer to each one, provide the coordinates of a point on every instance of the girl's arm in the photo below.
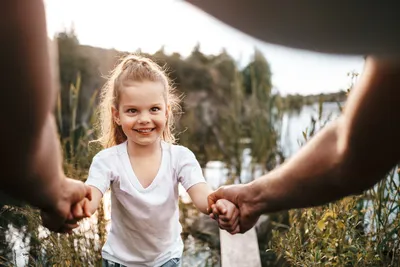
(199, 193)
(97, 195)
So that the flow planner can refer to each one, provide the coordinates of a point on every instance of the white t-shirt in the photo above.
(145, 228)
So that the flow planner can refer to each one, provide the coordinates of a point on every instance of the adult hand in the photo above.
(56, 217)
(241, 196)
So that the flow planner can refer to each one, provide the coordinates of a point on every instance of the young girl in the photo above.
(143, 167)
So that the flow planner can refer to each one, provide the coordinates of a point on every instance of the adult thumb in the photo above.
(78, 190)
(214, 197)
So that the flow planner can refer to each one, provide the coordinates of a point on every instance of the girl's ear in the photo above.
(115, 114)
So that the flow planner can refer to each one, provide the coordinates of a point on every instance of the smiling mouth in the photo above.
(144, 130)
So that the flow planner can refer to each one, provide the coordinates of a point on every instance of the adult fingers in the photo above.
(77, 211)
(86, 208)
(77, 190)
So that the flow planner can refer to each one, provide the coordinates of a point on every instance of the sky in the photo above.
(178, 26)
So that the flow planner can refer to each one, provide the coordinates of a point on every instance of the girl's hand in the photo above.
(227, 215)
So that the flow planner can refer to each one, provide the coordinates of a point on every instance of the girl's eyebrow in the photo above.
(135, 106)
(129, 106)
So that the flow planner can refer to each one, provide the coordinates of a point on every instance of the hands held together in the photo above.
(226, 214)
(71, 207)
(234, 208)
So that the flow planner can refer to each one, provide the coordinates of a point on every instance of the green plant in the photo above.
(75, 144)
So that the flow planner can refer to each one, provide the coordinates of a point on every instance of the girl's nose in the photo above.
(144, 118)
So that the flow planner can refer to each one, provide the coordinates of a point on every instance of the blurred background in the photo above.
(247, 107)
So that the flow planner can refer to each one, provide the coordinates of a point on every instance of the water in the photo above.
(293, 125)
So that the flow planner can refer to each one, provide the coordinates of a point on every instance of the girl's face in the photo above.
(142, 111)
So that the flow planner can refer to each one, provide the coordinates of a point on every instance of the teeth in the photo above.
(144, 131)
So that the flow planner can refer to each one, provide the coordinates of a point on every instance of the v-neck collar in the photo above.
(134, 181)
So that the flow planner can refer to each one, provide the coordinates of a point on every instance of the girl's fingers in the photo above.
(230, 215)
(235, 225)
(221, 208)
(215, 212)
(229, 226)
(212, 216)
(226, 215)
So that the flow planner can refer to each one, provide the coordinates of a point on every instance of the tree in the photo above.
(263, 114)
(73, 63)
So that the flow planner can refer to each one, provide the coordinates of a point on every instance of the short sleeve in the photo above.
(99, 174)
(188, 169)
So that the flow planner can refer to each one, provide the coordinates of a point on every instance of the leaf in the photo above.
(321, 225)
(287, 253)
(328, 214)
(340, 224)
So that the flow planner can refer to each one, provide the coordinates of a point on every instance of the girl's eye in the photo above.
(131, 110)
(155, 109)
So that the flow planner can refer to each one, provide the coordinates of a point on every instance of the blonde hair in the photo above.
(133, 68)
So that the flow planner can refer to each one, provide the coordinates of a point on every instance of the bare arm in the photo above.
(351, 27)
(199, 193)
(32, 168)
(347, 157)
(96, 198)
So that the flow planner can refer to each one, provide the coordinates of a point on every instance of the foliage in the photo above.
(74, 62)
(77, 154)
(350, 232)
(264, 113)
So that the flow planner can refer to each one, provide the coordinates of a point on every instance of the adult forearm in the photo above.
(312, 177)
(46, 177)
(40, 181)
(346, 157)
(32, 164)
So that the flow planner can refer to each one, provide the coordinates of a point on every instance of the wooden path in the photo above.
(240, 250)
